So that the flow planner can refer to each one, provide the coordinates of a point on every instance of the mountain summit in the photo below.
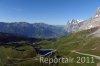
(98, 12)
(73, 25)
(77, 25)
(92, 22)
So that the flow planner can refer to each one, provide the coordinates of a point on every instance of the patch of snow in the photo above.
(96, 15)
(79, 20)
(91, 26)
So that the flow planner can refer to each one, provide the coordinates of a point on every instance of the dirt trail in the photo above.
(97, 57)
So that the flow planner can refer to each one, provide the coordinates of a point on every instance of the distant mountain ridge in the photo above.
(36, 30)
(42, 30)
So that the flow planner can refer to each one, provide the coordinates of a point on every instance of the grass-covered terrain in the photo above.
(81, 41)
(11, 56)
(25, 54)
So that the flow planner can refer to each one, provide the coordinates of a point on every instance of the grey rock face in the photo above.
(92, 22)
(76, 25)
(98, 11)
(73, 25)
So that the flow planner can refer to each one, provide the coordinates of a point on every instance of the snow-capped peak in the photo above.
(75, 21)
(96, 15)
(98, 12)
(79, 20)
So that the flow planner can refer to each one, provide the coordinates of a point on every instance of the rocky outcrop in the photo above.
(73, 25)
(92, 22)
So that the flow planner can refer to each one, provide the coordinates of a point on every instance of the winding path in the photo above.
(97, 57)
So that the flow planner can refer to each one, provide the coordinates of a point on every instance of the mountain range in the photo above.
(83, 42)
(77, 25)
(42, 30)
(92, 23)
(36, 30)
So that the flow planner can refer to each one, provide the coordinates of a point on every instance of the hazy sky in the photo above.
(56, 12)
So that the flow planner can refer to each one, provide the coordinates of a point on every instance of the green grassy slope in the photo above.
(81, 41)
(12, 56)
